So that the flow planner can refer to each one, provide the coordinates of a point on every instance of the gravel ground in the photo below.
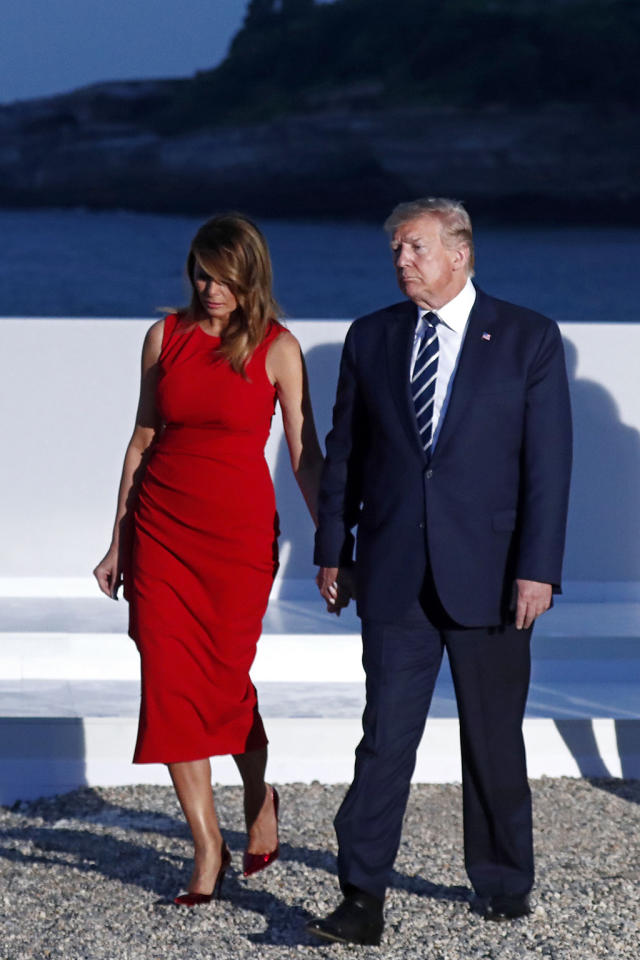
(90, 875)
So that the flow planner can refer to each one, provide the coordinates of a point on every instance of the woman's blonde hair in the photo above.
(232, 250)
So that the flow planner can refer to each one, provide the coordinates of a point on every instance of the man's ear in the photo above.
(460, 258)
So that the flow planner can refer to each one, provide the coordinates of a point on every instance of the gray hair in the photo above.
(455, 223)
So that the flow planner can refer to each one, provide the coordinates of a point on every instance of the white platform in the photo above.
(68, 673)
(69, 697)
(75, 385)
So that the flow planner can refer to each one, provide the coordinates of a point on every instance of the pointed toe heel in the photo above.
(196, 899)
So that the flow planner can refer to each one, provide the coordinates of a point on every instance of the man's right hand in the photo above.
(336, 587)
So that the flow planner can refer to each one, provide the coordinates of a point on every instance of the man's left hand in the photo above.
(532, 599)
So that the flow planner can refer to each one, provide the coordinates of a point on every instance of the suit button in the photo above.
(421, 525)
(429, 474)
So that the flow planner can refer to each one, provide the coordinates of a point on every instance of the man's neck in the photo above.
(437, 302)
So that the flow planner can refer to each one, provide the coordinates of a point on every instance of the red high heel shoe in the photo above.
(194, 899)
(254, 862)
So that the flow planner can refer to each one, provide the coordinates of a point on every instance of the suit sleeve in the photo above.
(547, 455)
(341, 484)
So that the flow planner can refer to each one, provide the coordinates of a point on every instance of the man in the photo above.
(451, 452)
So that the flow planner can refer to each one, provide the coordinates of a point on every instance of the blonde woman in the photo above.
(195, 536)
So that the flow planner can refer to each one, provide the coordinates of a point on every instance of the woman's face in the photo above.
(216, 299)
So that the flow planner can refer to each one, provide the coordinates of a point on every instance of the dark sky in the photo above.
(52, 46)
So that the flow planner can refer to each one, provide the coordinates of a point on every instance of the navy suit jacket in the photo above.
(491, 503)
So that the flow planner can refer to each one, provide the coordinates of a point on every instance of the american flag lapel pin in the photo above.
(486, 336)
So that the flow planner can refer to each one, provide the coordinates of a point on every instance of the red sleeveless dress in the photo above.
(204, 551)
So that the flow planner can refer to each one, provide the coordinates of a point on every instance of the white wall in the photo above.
(68, 390)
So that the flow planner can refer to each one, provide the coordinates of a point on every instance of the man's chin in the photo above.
(410, 288)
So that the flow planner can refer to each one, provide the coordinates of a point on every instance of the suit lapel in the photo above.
(399, 333)
(471, 368)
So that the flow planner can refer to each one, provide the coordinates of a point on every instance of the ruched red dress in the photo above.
(204, 551)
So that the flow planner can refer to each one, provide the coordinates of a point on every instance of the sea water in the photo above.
(81, 263)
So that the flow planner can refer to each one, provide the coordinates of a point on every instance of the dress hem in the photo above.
(226, 752)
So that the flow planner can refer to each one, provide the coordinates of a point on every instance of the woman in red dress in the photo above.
(195, 536)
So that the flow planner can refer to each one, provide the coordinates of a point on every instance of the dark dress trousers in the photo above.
(440, 541)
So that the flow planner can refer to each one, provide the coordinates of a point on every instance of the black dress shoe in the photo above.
(358, 919)
(505, 907)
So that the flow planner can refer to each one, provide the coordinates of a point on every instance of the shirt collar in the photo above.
(455, 313)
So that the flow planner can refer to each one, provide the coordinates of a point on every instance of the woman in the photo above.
(195, 532)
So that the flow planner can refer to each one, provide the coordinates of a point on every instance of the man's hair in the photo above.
(455, 223)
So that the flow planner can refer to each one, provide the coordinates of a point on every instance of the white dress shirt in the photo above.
(453, 317)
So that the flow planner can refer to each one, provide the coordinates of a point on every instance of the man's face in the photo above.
(428, 273)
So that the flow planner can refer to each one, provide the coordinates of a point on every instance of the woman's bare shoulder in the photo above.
(283, 356)
(152, 346)
(284, 343)
(156, 330)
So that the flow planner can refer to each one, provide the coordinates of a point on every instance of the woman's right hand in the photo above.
(336, 587)
(108, 573)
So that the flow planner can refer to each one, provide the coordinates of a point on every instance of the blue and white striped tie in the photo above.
(423, 379)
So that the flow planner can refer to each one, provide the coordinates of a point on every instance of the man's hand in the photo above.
(532, 599)
(336, 586)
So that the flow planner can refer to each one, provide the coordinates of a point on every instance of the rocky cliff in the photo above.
(98, 148)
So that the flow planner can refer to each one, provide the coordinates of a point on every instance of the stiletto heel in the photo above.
(194, 899)
(254, 862)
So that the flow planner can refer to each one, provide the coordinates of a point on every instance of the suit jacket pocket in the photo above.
(504, 520)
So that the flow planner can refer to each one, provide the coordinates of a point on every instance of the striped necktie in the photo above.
(423, 379)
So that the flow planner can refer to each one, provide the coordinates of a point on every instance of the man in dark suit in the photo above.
(451, 453)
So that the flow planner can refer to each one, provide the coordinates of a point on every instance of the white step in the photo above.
(42, 756)
(69, 697)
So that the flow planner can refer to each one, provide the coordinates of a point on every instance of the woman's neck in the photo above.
(214, 326)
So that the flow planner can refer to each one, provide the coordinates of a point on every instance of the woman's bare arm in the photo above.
(286, 370)
(108, 572)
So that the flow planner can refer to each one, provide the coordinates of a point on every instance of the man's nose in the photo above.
(402, 258)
